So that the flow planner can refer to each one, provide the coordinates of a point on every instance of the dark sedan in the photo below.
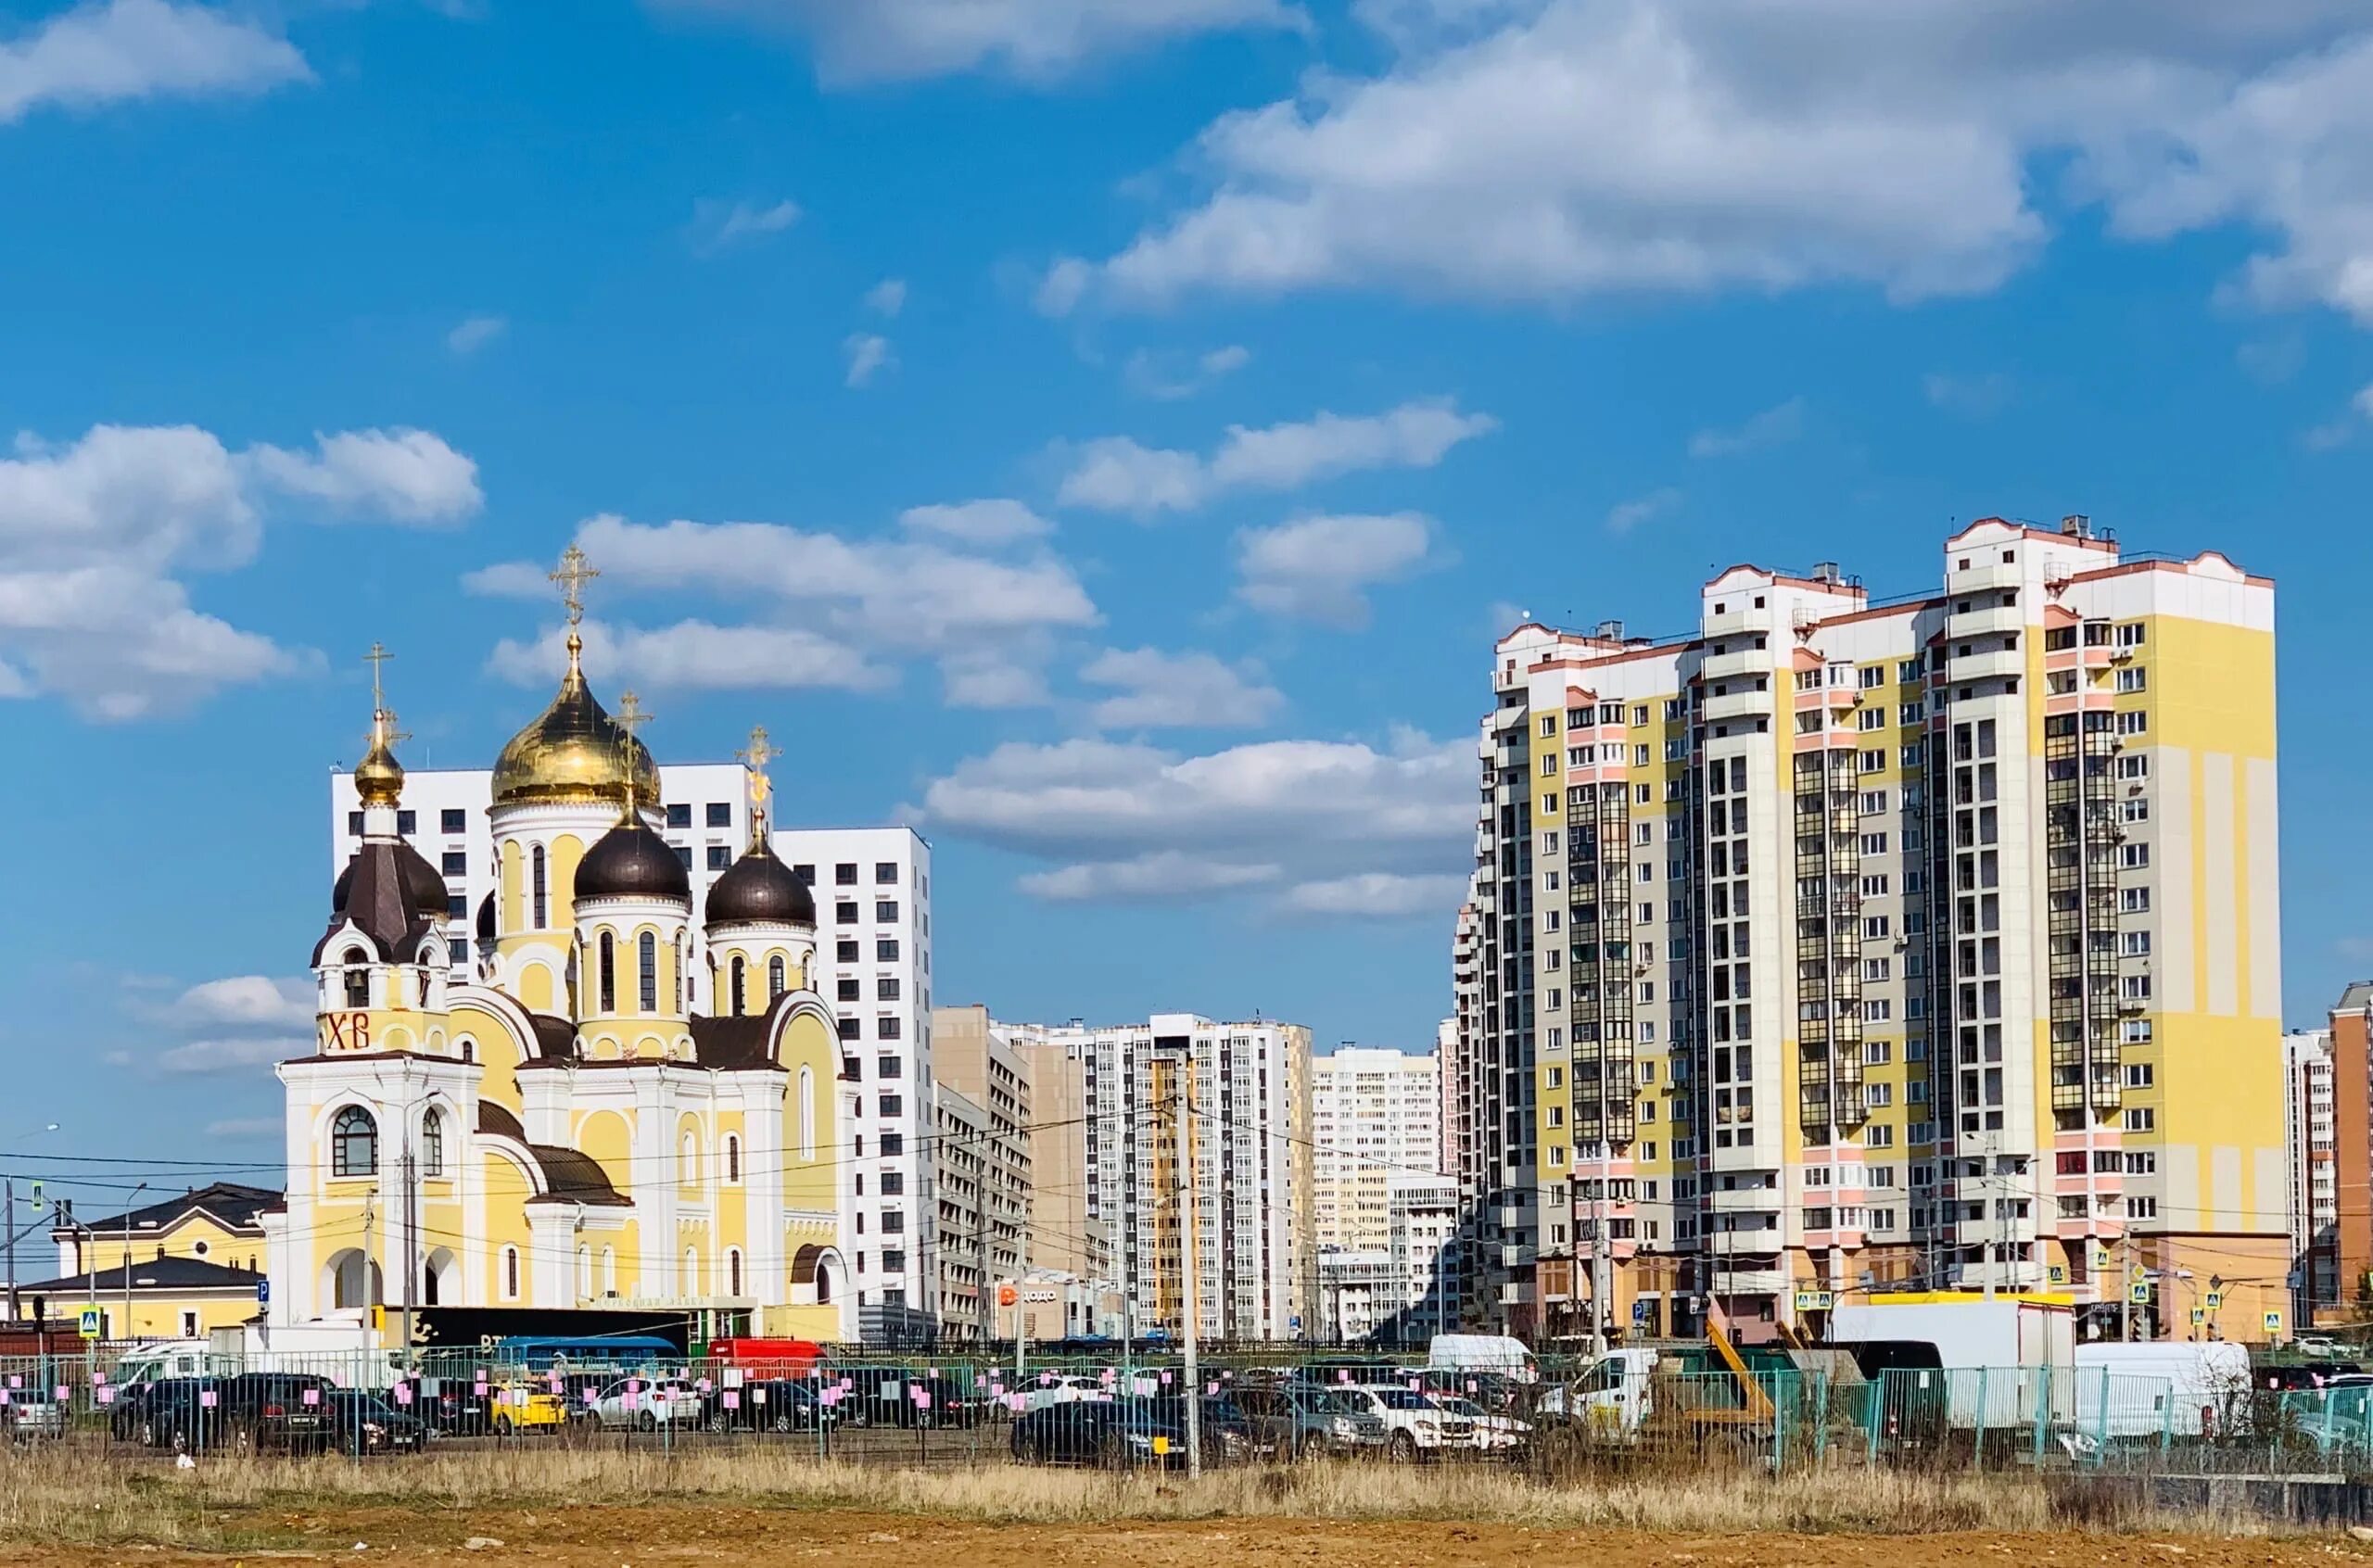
(767, 1405)
(362, 1423)
(1115, 1434)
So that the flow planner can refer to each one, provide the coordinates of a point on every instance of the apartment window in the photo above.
(1640, 713)
(1878, 969)
(2134, 988)
(805, 875)
(885, 874)
(1548, 805)
(2130, 635)
(355, 825)
(407, 823)
(1874, 801)
(2135, 1032)
(2141, 1119)
(453, 821)
(455, 863)
(1874, 928)
(1877, 1009)
(1872, 676)
(2134, 944)
(1870, 718)
(1548, 761)
(2134, 857)
(2135, 766)
(2133, 723)
(1872, 762)
(845, 951)
(886, 910)
(1908, 670)
(2142, 1162)
(1874, 887)
(849, 1029)
(1911, 713)
(886, 1028)
(1672, 708)
(844, 874)
(1878, 1136)
(720, 857)
(720, 814)
(1548, 725)
(886, 950)
(2135, 679)
(1878, 1096)
(2139, 1075)
(2134, 901)
(1638, 756)
(2143, 1208)
(847, 989)
(679, 816)
(1874, 843)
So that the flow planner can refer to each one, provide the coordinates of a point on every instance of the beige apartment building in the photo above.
(1847, 943)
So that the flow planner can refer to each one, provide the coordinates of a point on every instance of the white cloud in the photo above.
(473, 333)
(694, 655)
(1117, 474)
(1033, 40)
(1157, 689)
(1775, 426)
(868, 356)
(96, 534)
(993, 521)
(244, 1001)
(397, 475)
(231, 1055)
(1973, 396)
(1624, 516)
(1132, 821)
(119, 51)
(887, 298)
(1379, 896)
(825, 611)
(1168, 377)
(1320, 568)
(718, 225)
(1545, 150)
(2345, 428)
(1150, 879)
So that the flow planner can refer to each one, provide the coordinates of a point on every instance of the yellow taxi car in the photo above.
(522, 1407)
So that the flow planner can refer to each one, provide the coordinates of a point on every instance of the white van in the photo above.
(2182, 1387)
(1483, 1352)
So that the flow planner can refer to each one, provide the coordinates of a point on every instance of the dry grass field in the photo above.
(607, 1510)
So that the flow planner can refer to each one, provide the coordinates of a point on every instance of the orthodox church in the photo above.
(615, 1109)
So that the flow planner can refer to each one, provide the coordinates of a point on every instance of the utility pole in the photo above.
(1600, 1283)
(1191, 1263)
(127, 1260)
(8, 1226)
(412, 1228)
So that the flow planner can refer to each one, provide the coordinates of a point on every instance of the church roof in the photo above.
(630, 861)
(499, 1121)
(392, 895)
(556, 1037)
(574, 1176)
(759, 889)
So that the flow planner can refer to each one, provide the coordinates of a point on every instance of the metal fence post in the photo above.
(2042, 1413)
(1981, 1418)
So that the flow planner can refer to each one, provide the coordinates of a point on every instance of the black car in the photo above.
(1115, 1434)
(362, 1423)
(767, 1405)
(887, 1398)
(172, 1412)
(284, 1412)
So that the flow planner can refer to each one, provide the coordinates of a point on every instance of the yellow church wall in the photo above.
(607, 1138)
(567, 851)
(499, 1076)
(810, 1184)
(507, 1190)
(513, 898)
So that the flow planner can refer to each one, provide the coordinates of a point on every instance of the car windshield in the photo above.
(1402, 1399)
(1458, 1406)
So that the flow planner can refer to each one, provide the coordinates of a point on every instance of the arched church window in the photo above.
(807, 1113)
(689, 1160)
(734, 1162)
(609, 974)
(354, 1144)
(734, 1271)
(738, 967)
(511, 1273)
(432, 1145)
(774, 977)
(536, 859)
(646, 954)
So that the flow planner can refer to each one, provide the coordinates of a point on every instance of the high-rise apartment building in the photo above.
(1847, 942)
(981, 1165)
(1375, 1117)
(1067, 1237)
(1250, 1086)
(2351, 1028)
(872, 893)
(2315, 1187)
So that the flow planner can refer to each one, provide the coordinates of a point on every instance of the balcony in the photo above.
(1987, 664)
(1738, 661)
(1736, 703)
(1986, 620)
(1994, 574)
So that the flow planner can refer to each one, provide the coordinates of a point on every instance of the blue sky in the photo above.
(1105, 432)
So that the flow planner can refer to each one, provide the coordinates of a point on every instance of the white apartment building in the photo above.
(2314, 1189)
(1253, 1215)
(873, 890)
(1406, 1291)
(1841, 943)
(1377, 1118)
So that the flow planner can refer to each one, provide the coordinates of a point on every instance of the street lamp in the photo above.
(8, 1218)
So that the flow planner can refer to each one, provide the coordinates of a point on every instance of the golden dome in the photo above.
(378, 777)
(575, 751)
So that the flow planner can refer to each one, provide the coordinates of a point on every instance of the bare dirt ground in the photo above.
(694, 1535)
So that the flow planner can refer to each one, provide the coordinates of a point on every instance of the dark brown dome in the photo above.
(630, 861)
(485, 920)
(759, 889)
(423, 883)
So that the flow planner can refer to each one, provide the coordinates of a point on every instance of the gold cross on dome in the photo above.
(572, 576)
(377, 657)
(758, 755)
(629, 719)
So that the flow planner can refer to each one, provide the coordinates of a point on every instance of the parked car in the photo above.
(887, 1398)
(2323, 1346)
(33, 1415)
(523, 1407)
(172, 1412)
(1118, 1435)
(646, 1404)
(286, 1411)
(1493, 1434)
(768, 1405)
(1061, 1389)
(1415, 1426)
(362, 1423)
(1307, 1420)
